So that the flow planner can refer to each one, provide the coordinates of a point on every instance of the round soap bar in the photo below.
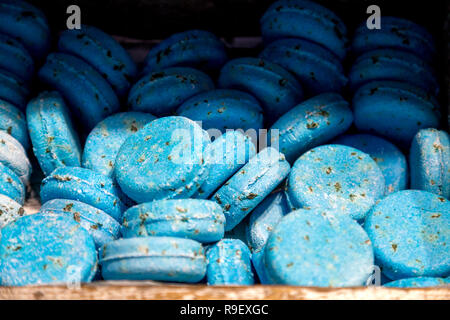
(200, 220)
(163, 160)
(14, 156)
(419, 282)
(394, 110)
(317, 69)
(395, 65)
(13, 121)
(103, 53)
(161, 92)
(104, 141)
(229, 263)
(11, 185)
(55, 142)
(41, 249)
(90, 96)
(410, 231)
(10, 210)
(264, 218)
(224, 109)
(395, 33)
(311, 123)
(227, 154)
(318, 248)
(153, 258)
(276, 88)
(26, 23)
(102, 227)
(429, 159)
(90, 187)
(336, 178)
(15, 58)
(250, 185)
(194, 48)
(390, 160)
(13, 89)
(305, 19)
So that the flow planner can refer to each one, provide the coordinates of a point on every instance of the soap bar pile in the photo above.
(153, 172)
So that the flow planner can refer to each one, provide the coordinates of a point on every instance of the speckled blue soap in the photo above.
(102, 227)
(90, 96)
(26, 23)
(264, 218)
(227, 154)
(153, 258)
(336, 178)
(276, 88)
(410, 232)
(391, 161)
(419, 282)
(193, 48)
(317, 69)
(13, 121)
(200, 220)
(14, 156)
(395, 33)
(41, 249)
(305, 19)
(259, 266)
(13, 89)
(395, 65)
(15, 58)
(104, 141)
(10, 210)
(251, 184)
(103, 53)
(429, 158)
(229, 263)
(55, 142)
(163, 160)
(318, 248)
(311, 123)
(11, 185)
(161, 92)
(86, 186)
(224, 109)
(394, 110)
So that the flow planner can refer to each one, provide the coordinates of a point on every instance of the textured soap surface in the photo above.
(429, 159)
(13, 121)
(318, 248)
(163, 160)
(161, 92)
(105, 140)
(41, 249)
(200, 220)
(391, 161)
(419, 282)
(336, 178)
(14, 156)
(250, 185)
(101, 226)
(13, 89)
(10, 210)
(153, 258)
(15, 58)
(410, 232)
(229, 263)
(309, 124)
(11, 185)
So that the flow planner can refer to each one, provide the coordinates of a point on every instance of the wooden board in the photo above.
(107, 290)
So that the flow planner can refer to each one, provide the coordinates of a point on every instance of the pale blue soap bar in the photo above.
(14, 156)
(227, 154)
(13, 121)
(200, 220)
(105, 140)
(419, 282)
(410, 232)
(11, 185)
(153, 258)
(42, 249)
(318, 248)
(389, 158)
(229, 263)
(10, 210)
